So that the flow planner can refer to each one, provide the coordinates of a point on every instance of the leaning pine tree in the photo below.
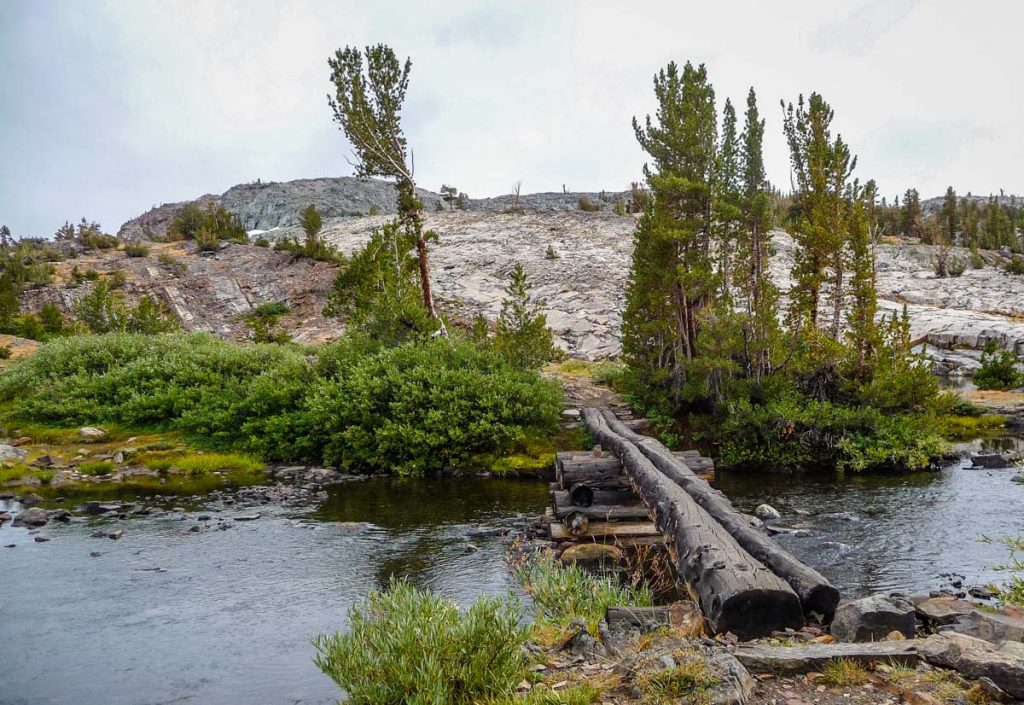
(366, 104)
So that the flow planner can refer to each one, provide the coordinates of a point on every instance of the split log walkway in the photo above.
(743, 581)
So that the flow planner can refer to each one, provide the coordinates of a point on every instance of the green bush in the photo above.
(998, 369)
(1015, 266)
(5, 352)
(407, 409)
(430, 406)
(208, 225)
(587, 205)
(412, 647)
(136, 249)
(794, 432)
(175, 265)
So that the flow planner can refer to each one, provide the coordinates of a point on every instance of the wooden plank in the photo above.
(760, 658)
(735, 592)
(607, 530)
(605, 512)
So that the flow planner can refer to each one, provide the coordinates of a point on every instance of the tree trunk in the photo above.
(817, 595)
(735, 592)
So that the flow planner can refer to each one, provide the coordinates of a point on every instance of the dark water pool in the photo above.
(166, 615)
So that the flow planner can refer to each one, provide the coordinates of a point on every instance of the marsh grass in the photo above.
(21, 471)
(404, 645)
(96, 467)
(564, 593)
(577, 694)
(844, 671)
(206, 463)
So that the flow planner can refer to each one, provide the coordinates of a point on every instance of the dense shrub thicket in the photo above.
(417, 407)
(998, 369)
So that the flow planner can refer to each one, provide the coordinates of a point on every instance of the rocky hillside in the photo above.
(582, 285)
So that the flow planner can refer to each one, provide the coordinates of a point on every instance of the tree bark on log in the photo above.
(735, 592)
(817, 594)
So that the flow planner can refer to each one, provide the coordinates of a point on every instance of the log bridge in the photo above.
(743, 581)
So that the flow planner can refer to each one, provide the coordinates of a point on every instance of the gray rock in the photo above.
(766, 512)
(976, 658)
(31, 500)
(735, 684)
(873, 618)
(990, 626)
(91, 434)
(40, 539)
(940, 611)
(33, 517)
(761, 658)
(9, 452)
(1019, 478)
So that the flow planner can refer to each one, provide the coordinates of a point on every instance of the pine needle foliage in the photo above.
(522, 336)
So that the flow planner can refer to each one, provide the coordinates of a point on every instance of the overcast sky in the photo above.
(108, 108)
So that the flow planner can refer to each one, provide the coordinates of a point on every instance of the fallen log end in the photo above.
(756, 613)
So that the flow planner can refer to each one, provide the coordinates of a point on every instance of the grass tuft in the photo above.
(96, 467)
(844, 671)
(206, 463)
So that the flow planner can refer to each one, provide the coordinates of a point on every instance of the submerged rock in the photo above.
(874, 618)
(31, 517)
(594, 556)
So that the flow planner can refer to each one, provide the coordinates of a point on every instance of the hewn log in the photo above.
(581, 494)
(603, 471)
(577, 523)
(735, 592)
(817, 594)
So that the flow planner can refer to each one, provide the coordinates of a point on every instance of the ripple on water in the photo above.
(230, 616)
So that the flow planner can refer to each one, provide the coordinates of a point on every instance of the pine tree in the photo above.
(821, 169)
(910, 214)
(861, 321)
(949, 216)
(759, 291)
(522, 336)
(10, 306)
(673, 277)
(367, 106)
(51, 317)
(728, 199)
(311, 223)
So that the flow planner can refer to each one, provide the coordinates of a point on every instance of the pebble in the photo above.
(41, 539)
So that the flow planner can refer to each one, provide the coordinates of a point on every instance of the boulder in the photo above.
(990, 626)
(45, 461)
(31, 500)
(91, 434)
(766, 512)
(873, 618)
(36, 516)
(594, 556)
(976, 658)
(939, 611)
(735, 684)
(9, 452)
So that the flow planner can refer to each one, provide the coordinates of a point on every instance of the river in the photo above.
(169, 615)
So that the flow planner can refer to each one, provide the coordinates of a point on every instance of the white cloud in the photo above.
(111, 107)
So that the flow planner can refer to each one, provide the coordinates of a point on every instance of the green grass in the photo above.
(404, 645)
(96, 467)
(844, 671)
(577, 694)
(968, 427)
(564, 593)
(206, 463)
(19, 471)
